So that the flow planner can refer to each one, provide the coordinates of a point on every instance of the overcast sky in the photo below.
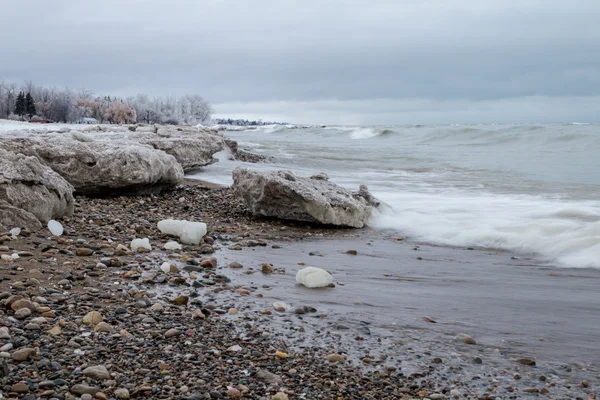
(325, 61)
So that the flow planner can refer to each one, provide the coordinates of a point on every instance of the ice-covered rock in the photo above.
(284, 195)
(188, 232)
(191, 152)
(14, 232)
(172, 246)
(313, 277)
(103, 167)
(137, 244)
(55, 227)
(31, 194)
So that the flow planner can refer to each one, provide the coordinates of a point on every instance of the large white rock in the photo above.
(193, 152)
(188, 232)
(31, 194)
(103, 167)
(313, 277)
(284, 195)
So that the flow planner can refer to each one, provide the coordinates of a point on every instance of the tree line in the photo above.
(65, 105)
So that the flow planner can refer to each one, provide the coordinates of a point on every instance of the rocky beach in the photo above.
(84, 316)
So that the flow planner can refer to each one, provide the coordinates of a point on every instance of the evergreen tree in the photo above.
(20, 105)
(29, 105)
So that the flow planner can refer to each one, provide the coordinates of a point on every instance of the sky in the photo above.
(321, 62)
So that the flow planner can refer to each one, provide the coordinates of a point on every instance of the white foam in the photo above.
(559, 231)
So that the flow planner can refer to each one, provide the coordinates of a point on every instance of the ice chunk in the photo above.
(55, 227)
(140, 244)
(165, 267)
(172, 246)
(188, 232)
(15, 256)
(15, 232)
(313, 277)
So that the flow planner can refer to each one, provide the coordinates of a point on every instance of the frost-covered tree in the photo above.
(120, 113)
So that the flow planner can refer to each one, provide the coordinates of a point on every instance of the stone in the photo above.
(463, 337)
(181, 300)
(24, 354)
(23, 303)
(232, 311)
(526, 361)
(280, 396)
(102, 167)
(84, 252)
(19, 388)
(234, 393)
(4, 333)
(313, 277)
(269, 377)
(81, 389)
(31, 194)
(157, 307)
(267, 269)
(103, 327)
(55, 227)
(98, 372)
(92, 318)
(235, 265)
(190, 152)
(86, 396)
(284, 195)
(22, 313)
(281, 354)
(335, 358)
(171, 333)
(121, 393)
(352, 252)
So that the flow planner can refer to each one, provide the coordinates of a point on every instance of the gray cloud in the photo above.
(471, 54)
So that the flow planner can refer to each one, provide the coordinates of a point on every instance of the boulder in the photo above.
(191, 152)
(103, 167)
(282, 194)
(313, 277)
(31, 194)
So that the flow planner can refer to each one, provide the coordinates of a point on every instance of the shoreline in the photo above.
(109, 279)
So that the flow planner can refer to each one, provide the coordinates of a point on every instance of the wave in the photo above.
(567, 233)
(368, 133)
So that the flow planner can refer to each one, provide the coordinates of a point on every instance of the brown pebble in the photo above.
(526, 361)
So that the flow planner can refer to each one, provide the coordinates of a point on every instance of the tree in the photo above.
(20, 105)
(29, 105)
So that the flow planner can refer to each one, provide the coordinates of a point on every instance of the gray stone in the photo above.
(284, 195)
(30, 193)
(81, 389)
(98, 372)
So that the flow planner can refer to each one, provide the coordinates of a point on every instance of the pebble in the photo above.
(232, 311)
(121, 394)
(86, 396)
(84, 252)
(98, 372)
(22, 313)
(92, 318)
(103, 327)
(19, 388)
(234, 393)
(4, 333)
(280, 396)
(23, 354)
(463, 337)
(335, 358)
(171, 332)
(181, 300)
(22, 303)
(82, 389)
(526, 361)
(236, 265)
(281, 354)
